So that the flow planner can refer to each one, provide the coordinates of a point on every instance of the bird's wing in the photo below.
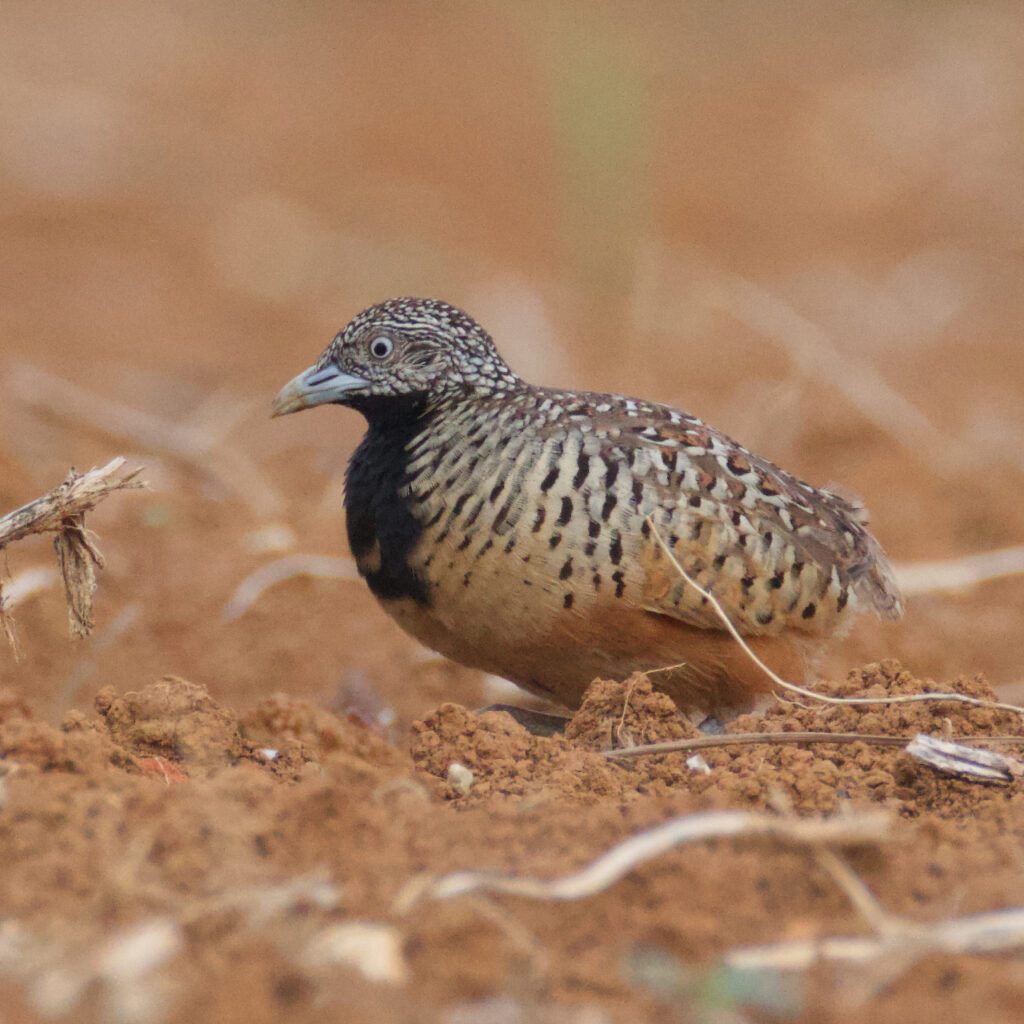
(774, 551)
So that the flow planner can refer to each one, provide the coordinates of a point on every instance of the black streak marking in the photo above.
(615, 548)
(459, 506)
(539, 521)
(582, 470)
(610, 501)
(566, 570)
(567, 601)
(620, 583)
(549, 481)
(566, 514)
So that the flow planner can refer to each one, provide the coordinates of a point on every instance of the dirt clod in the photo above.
(176, 719)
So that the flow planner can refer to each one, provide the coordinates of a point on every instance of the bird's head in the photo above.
(400, 353)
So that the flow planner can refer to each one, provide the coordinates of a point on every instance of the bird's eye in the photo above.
(381, 348)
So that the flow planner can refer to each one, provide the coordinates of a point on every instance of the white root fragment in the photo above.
(253, 586)
(958, 574)
(993, 932)
(629, 854)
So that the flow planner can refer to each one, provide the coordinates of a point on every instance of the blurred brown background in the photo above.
(802, 222)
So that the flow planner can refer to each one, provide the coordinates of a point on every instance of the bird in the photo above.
(526, 531)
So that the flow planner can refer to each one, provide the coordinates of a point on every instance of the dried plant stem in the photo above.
(907, 941)
(783, 684)
(62, 511)
(250, 589)
(624, 857)
(757, 739)
(856, 891)
(959, 573)
(198, 445)
(749, 739)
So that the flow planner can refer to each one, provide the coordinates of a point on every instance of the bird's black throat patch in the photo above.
(382, 529)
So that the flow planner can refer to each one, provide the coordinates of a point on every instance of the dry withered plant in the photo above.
(62, 511)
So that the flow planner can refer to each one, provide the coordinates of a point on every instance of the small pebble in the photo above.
(459, 777)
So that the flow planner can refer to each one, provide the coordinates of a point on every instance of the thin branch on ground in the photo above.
(62, 511)
(783, 684)
(959, 573)
(281, 569)
(820, 360)
(626, 856)
(906, 941)
(743, 739)
(199, 444)
(859, 895)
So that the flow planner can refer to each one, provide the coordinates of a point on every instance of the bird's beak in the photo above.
(317, 385)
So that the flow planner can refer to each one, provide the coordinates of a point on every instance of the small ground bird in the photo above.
(519, 529)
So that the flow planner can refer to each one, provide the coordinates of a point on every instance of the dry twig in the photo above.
(624, 857)
(743, 739)
(247, 592)
(959, 573)
(898, 944)
(62, 511)
(660, 270)
(198, 444)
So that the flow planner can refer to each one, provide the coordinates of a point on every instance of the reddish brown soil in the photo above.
(194, 198)
(166, 809)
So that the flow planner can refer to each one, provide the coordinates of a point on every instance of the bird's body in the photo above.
(519, 529)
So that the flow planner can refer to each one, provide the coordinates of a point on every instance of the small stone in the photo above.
(460, 778)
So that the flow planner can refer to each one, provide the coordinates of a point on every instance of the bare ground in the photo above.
(193, 203)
